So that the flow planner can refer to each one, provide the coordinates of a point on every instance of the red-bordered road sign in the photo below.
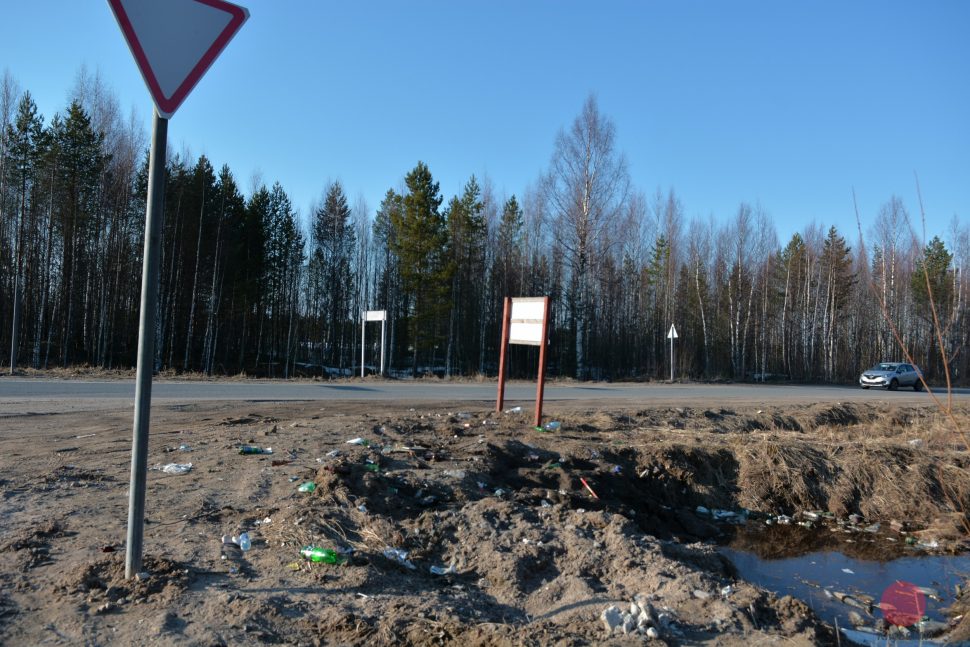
(174, 42)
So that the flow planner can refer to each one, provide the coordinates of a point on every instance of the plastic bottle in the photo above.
(553, 425)
(309, 486)
(326, 555)
(249, 449)
(243, 541)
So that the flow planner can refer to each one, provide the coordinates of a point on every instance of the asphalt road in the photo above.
(16, 393)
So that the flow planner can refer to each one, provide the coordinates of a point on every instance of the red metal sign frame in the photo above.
(502, 369)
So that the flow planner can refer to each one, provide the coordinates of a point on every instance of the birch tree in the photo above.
(586, 187)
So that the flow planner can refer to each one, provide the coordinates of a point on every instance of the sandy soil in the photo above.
(531, 556)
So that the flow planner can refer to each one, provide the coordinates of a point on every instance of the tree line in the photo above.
(248, 286)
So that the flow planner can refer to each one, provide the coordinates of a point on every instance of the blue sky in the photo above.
(790, 105)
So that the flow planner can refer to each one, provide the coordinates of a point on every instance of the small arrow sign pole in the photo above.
(672, 335)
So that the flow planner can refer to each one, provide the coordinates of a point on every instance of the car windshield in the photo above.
(884, 367)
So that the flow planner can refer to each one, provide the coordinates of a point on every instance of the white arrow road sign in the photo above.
(673, 332)
(174, 42)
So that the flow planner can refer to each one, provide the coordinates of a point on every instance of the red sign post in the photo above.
(524, 321)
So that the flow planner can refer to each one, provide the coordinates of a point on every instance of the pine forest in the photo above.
(250, 286)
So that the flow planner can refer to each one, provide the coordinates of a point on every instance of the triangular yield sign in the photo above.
(174, 42)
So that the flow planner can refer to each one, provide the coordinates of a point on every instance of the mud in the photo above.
(541, 531)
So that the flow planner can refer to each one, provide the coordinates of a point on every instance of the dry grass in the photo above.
(881, 478)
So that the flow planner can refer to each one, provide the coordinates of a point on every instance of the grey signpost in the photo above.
(173, 43)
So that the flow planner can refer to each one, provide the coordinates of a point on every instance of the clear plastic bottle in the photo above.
(243, 541)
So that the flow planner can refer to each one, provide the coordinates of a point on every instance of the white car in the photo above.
(892, 375)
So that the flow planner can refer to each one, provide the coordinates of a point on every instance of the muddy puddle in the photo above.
(846, 581)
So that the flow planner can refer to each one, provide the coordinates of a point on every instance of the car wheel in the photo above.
(866, 388)
(894, 384)
(917, 386)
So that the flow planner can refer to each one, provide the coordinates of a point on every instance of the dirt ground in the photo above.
(536, 532)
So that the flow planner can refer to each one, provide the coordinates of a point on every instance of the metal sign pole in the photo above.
(363, 342)
(542, 361)
(671, 359)
(383, 341)
(146, 346)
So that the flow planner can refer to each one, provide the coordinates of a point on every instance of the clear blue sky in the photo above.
(787, 104)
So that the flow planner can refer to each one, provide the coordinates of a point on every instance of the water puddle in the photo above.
(812, 567)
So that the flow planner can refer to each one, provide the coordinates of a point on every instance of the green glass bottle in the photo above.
(326, 555)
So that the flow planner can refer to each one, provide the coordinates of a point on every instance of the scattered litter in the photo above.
(929, 592)
(359, 441)
(546, 504)
(848, 571)
(514, 410)
(182, 448)
(552, 425)
(932, 544)
(333, 454)
(724, 516)
(456, 474)
(371, 467)
(463, 416)
(444, 570)
(264, 521)
(86, 435)
(309, 486)
(177, 468)
(399, 556)
(294, 566)
(701, 595)
(500, 493)
(727, 591)
(612, 618)
(915, 442)
(588, 487)
(243, 541)
(362, 508)
(249, 449)
(616, 469)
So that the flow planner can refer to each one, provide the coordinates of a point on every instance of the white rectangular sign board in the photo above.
(375, 315)
(525, 324)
